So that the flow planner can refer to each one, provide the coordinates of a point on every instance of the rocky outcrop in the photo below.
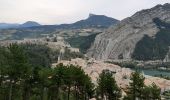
(167, 57)
(119, 41)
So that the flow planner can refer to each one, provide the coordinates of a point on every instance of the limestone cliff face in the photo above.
(119, 41)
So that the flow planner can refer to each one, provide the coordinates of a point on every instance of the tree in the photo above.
(45, 75)
(155, 91)
(151, 92)
(3, 63)
(38, 55)
(107, 87)
(72, 82)
(146, 93)
(3, 73)
(138, 90)
(18, 66)
(136, 86)
(69, 79)
(57, 81)
(26, 84)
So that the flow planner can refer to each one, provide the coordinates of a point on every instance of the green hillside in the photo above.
(154, 48)
(82, 42)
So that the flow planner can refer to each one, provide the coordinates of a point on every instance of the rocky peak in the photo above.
(94, 16)
(90, 15)
(97, 21)
(145, 16)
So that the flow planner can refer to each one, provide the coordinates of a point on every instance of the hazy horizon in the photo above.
(64, 11)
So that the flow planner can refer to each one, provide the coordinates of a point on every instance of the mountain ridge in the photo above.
(119, 42)
(8, 25)
(29, 24)
(16, 25)
(102, 22)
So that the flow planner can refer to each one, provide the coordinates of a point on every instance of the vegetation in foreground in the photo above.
(137, 90)
(22, 79)
(19, 80)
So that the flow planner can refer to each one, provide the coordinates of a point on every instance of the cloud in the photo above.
(68, 11)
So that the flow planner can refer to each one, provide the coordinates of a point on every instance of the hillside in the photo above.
(139, 35)
(155, 48)
(82, 42)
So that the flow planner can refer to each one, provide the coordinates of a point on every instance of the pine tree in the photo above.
(155, 91)
(138, 90)
(107, 87)
(136, 86)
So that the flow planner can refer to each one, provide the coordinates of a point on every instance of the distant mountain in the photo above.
(95, 21)
(24, 25)
(7, 25)
(33, 29)
(29, 24)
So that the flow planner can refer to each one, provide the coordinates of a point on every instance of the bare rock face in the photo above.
(118, 42)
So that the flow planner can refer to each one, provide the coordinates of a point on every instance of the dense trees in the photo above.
(68, 55)
(151, 92)
(20, 80)
(13, 69)
(136, 86)
(39, 55)
(107, 88)
(82, 42)
(23, 79)
(139, 91)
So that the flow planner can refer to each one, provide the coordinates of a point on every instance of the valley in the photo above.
(97, 58)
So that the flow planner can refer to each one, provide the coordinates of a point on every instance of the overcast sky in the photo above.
(68, 11)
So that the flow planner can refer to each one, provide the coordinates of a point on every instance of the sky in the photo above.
(69, 11)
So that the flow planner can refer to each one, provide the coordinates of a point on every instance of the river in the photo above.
(153, 72)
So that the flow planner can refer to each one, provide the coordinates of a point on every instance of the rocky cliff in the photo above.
(119, 41)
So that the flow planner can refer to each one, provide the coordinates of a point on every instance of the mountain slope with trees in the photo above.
(120, 41)
(157, 47)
